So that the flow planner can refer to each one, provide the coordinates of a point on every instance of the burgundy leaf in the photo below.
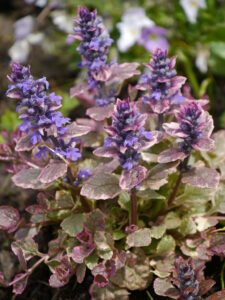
(205, 286)
(202, 177)
(101, 276)
(217, 296)
(133, 177)
(171, 154)
(100, 113)
(9, 218)
(55, 282)
(53, 171)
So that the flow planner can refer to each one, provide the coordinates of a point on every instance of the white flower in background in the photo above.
(62, 21)
(191, 7)
(133, 21)
(24, 39)
(202, 59)
(39, 3)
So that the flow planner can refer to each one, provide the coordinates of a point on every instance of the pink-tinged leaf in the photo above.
(121, 72)
(9, 218)
(202, 177)
(205, 286)
(100, 113)
(20, 285)
(81, 252)
(83, 94)
(132, 92)
(101, 277)
(109, 167)
(209, 125)
(53, 171)
(101, 186)
(163, 287)
(173, 129)
(139, 238)
(133, 177)
(55, 282)
(177, 83)
(103, 74)
(170, 155)
(80, 272)
(106, 152)
(204, 144)
(217, 244)
(74, 130)
(28, 179)
(217, 296)
(24, 143)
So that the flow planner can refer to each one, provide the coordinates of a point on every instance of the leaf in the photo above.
(163, 287)
(217, 296)
(9, 218)
(80, 272)
(131, 178)
(53, 171)
(171, 154)
(101, 186)
(105, 244)
(158, 231)
(95, 221)
(139, 238)
(135, 274)
(79, 253)
(28, 179)
(110, 292)
(202, 177)
(20, 285)
(64, 199)
(121, 72)
(55, 282)
(106, 152)
(28, 247)
(24, 143)
(187, 226)
(166, 245)
(172, 220)
(100, 113)
(204, 223)
(74, 130)
(73, 224)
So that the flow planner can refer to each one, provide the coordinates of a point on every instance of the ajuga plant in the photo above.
(134, 193)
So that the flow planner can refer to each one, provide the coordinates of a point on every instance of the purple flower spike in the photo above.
(38, 113)
(93, 49)
(153, 38)
(127, 133)
(162, 83)
(186, 278)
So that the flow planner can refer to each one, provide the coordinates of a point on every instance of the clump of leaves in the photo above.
(133, 192)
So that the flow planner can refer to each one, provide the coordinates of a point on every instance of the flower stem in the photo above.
(133, 207)
(160, 122)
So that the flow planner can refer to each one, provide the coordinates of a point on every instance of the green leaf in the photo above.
(64, 199)
(92, 260)
(118, 235)
(105, 244)
(172, 220)
(158, 231)
(166, 245)
(28, 247)
(124, 200)
(73, 224)
(9, 121)
(187, 226)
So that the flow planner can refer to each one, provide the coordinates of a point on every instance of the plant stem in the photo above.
(183, 166)
(160, 122)
(133, 207)
(222, 276)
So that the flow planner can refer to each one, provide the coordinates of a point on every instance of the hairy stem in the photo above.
(133, 207)
(160, 122)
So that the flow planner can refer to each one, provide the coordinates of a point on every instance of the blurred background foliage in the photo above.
(52, 56)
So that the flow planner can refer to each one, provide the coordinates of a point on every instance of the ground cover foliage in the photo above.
(133, 192)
